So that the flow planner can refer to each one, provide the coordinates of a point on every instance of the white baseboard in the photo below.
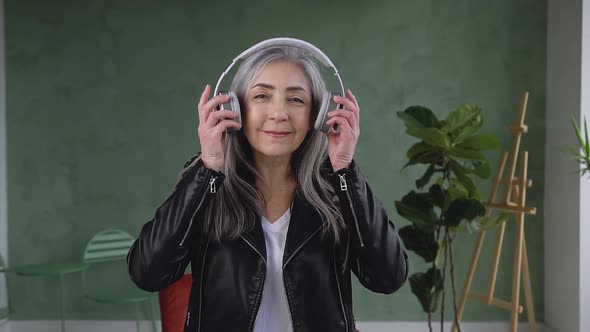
(465, 326)
(129, 326)
(77, 326)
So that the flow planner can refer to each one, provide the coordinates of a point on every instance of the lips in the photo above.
(277, 134)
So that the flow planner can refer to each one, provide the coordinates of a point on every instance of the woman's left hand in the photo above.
(341, 144)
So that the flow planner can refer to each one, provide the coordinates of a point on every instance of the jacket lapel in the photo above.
(255, 239)
(305, 222)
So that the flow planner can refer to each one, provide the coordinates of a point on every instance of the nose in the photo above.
(279, 111)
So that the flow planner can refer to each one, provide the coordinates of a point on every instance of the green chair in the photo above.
(4, 311)
(112, 245)
(51, 269)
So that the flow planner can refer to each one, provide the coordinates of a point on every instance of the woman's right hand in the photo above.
(212, 128)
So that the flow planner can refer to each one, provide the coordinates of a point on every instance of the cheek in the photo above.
(304, 120)
(249, 117)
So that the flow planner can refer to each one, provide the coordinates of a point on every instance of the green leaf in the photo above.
(482, 168)
(466, 226)
(469, 129)
(440, 181)
(456, 190)
(440, 252)
(431, 136)
(421, 182)
(418, 209)
(460, 209)
(437, 195)
(420, 242)
(427, 288)
(430, 157)
(587, 143)
(582, 154)
(480, 142)
(419, 117)
(577, 130)
(461, 117)
(419, 148)
(479, 165)
(466, 153)
(461, 175)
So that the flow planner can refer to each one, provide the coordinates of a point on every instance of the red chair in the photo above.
(174, 304)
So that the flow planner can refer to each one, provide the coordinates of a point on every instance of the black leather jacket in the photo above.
(228, 277)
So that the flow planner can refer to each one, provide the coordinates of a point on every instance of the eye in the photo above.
(297, 100)
(260, 96)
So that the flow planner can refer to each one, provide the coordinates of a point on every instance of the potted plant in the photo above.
(582, 154)
(446, 201)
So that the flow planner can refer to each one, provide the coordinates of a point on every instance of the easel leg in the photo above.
(528, 291)
(496, 262)
(516, 275)
(469, 280)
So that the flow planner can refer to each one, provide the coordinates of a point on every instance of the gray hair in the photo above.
(237, 205)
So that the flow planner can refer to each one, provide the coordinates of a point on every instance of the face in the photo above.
(278, 108)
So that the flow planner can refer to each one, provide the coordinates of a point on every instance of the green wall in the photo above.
(101, 114)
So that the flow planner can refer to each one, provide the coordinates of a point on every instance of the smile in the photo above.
(277, 134)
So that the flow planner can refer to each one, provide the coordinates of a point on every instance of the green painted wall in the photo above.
(101, 102)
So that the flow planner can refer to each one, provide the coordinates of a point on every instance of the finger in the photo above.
(353, 98)
(358, 108)
(202, 101)
(217, 116)
(348, 115)
(210, 105)
(216, 101)
(348, 103)
(343, 123)
(225, 124)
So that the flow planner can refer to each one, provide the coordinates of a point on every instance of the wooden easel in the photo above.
(514, 202)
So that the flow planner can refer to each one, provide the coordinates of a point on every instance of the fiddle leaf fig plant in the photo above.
(446, 200)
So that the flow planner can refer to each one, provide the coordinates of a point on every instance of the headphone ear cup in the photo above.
(233, 104)
(327, 104)
(322, 117)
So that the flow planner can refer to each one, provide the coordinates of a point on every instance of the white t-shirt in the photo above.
(273, 314)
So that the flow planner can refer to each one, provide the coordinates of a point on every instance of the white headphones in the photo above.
(327, 99)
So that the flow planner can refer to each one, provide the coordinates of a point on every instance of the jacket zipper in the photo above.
(212, 186)
(340, 293)
(201, 286)
(344, 187)
(213, 190)
(346, 253)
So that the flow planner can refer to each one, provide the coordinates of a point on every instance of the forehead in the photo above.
(283, 74)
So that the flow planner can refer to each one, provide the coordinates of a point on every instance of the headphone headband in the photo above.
(283, 41)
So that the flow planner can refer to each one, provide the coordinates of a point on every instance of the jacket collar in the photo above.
(305, 222)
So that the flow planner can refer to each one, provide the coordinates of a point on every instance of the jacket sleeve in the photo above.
(376, 255)
(162, 251)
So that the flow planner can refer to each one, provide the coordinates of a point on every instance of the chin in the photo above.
(275, 153)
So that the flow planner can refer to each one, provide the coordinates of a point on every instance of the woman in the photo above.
(272, 215)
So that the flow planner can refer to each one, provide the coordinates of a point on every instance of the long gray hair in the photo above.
(237, 205)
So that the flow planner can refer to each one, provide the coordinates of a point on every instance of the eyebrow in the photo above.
(268, 86)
